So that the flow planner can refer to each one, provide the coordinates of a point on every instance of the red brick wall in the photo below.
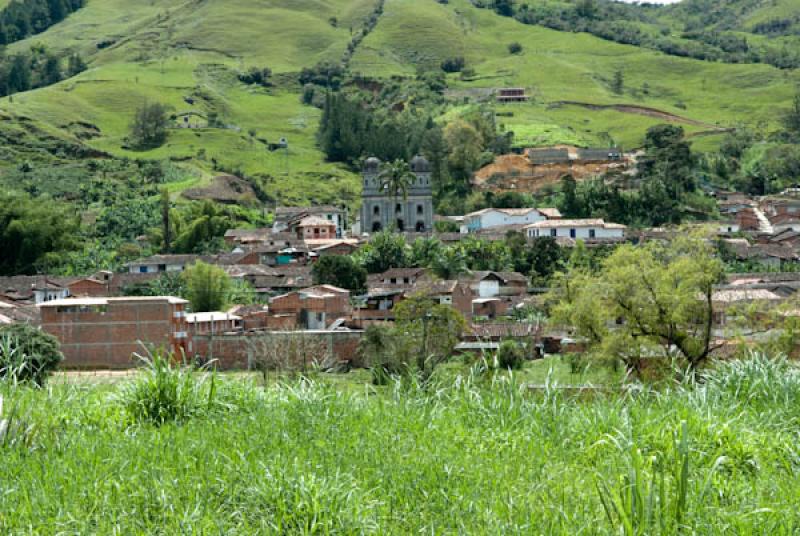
(109, 339)
(232, 352)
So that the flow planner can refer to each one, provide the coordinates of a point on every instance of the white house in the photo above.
(497, 217)
(162, 263)
(583, 229)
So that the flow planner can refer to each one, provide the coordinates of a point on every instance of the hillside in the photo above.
(178, 53)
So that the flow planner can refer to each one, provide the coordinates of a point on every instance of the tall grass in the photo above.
(465, 456)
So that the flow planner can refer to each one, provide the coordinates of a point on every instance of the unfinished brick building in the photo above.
(105, 332)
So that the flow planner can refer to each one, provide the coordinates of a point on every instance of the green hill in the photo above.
(187, 55)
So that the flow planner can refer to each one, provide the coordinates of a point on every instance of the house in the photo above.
(314, 308)
(314, 228)
(48, 290)
(106, 332)
(494, 284)
(378, 306)
(454, 293)
(396, 278)
(162, 263)
(579, 229)
(248, 236)
(511, 94)
(600, 155)
(728, 227)
(332, 248)
(287, 218)
(548, 155)
(497, 217)
(212, 322)
(728, 304)
(272, 280)
(98, 284)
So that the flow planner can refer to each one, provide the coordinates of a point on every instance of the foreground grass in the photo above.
(475, 455)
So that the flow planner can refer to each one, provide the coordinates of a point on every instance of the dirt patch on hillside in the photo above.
(640, 110)
(227, 189)
(516, 173)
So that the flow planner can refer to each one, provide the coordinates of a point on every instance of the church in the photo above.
(380, 210)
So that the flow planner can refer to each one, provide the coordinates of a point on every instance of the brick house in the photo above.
(312, 308)
(105, 332)
(315, 228)
(456, 294)
(213, 322)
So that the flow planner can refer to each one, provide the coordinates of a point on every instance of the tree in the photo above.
(75, 65)
(51, 72)
(207, 287)
(429, 333)
(465, 145)
(340, 271)
(166, 227)
(384, 251)
(510, 355)
(149, 127)
(791, 119)
(668, 158)
(569, 205)
(504, 7)
(27, 354)
(651, 300)
(515, 48)
(618, 82)
(449, 264)
(19, 75)
(396, 177)
(424, 251)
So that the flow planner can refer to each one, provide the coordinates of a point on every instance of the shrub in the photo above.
(28, 354)
(163, 391)
(510, 355)
(514, 48)
(454, 65)
(577, 362)
(256, 76)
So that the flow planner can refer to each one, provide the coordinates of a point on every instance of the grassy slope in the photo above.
(166, 51)
(558, 66)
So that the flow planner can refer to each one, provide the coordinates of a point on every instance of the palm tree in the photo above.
(397, 178)
(450, 263)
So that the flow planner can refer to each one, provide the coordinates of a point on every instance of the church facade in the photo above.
(380, 210)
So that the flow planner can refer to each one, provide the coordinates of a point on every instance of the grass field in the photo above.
(471, 456)
(171, 51)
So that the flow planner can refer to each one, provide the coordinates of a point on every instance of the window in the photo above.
(398, 208)
(162, 267)
(553, 233)
(572, 233)
(592, 233)
(376, 210)
(420, 209)
(143, 269)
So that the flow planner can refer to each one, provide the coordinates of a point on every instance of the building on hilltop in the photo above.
(381, 210)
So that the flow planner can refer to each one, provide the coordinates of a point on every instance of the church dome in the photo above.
(372, 164)
(419, 164)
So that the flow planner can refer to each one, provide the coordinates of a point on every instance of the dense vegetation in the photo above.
(22, 18)
(694, 28)
(478, 455)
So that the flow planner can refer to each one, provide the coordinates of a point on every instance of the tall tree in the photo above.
(651, 300)
(166, 225)
(207, 287)
(340, 271)
(149, 127)
(396, 178)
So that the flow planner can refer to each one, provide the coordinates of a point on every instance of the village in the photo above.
(101, 326)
